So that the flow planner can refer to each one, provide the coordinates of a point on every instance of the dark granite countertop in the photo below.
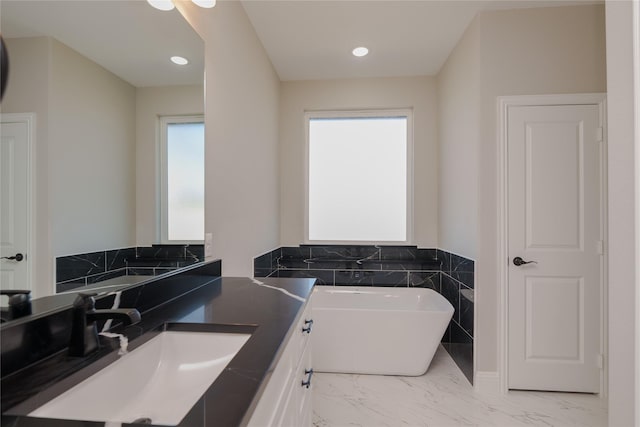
(225, 304)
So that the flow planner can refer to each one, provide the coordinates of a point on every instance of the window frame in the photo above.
(369, 113)
(162, 177)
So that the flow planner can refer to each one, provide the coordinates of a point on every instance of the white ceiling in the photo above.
(313, 39)
(129, 38)
(305, 39)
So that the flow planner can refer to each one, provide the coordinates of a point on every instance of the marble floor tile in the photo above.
(443, 397)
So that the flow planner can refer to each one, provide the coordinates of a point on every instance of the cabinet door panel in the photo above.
(304, 402)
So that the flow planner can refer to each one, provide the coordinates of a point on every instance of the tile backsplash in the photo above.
(457, 285)
(350, 265)
(390, 266)
(76, 271)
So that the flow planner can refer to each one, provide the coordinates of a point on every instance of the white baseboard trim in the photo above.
(487, 382)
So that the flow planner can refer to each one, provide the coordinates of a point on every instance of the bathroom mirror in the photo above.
(93, 167)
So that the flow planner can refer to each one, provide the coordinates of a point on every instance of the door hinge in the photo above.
(600, 247)
(599, 134)
(600, 361)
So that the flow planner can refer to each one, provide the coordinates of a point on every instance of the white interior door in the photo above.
(14, 202)
(554, 219)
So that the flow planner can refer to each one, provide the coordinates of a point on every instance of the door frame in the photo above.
(504, 103)
(30, 120)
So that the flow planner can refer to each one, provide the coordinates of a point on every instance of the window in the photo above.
(359, 171)
(182, 179)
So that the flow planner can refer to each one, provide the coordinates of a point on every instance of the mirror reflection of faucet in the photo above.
(19, 304)
(84, 331)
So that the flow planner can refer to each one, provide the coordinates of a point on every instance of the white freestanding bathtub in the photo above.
(384, 331)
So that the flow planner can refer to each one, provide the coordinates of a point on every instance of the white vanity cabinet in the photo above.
(286, 400)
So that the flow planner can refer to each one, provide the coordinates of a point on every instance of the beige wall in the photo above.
(91, 156)
(527, 51)
(418, 93)
(624, 217)
(152, 103)
(84, 151)
(241, 151)
(531, 51)
(28, 92)
(459, 141)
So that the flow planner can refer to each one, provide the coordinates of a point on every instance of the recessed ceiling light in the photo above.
(360, 51)
(205, 3)
(179, 60)
(162, 4)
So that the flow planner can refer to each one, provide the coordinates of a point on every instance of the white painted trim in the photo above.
(604, 232)
(636, 101)
(503, 105)
(307, 116)
(158, 160)
(503, 259)
(487, 382)
(30, 120)
(388, 112)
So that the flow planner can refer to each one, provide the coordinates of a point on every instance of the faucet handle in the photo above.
(19, 302)
(16, 296)
(85, 301)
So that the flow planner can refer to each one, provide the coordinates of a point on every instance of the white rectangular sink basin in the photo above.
(161, 380)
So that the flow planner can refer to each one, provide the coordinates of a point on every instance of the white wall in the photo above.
(624, 223)
(418, 93)
(526, 51)
(151, 103)
(84, 151)
(241, 132)
(459, 140)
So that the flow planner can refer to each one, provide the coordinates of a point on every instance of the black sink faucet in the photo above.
(84, 331)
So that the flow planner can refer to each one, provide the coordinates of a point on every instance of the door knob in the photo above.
(16, 257)
(519, 261)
